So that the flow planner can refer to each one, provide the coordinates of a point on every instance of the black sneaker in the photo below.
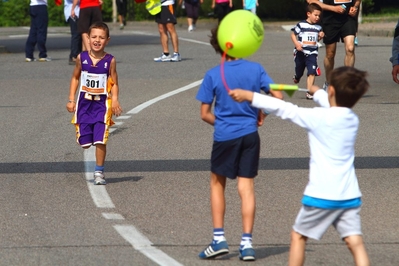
(295, 79)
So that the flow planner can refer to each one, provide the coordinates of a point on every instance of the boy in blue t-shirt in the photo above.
(236, 145)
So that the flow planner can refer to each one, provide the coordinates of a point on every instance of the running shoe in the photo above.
(216, 248)
(295, 79)
(45, 59)
(99, 178)
(176, 57)
(30, 59)
(163, 58)
(247, 253)
(309, 96)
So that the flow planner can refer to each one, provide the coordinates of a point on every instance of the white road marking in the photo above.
(113, 216)
(123, 117)
(98, 193)
(141, 243)
(287, 27)
(102, 199)
(163, 96)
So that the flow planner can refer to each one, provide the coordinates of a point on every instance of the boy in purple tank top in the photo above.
(97, 97)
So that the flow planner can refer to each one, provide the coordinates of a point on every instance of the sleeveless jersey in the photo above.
(308, 35)
(94, 102)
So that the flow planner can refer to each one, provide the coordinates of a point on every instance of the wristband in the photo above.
(71, 101)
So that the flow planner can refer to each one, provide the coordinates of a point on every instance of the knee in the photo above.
(353, 242)
(350, 49)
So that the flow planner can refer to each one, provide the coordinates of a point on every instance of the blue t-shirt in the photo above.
(249, 4)
(233, 119)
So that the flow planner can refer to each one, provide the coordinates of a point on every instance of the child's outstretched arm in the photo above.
(116, 108)
(241, 95)
(73, 87)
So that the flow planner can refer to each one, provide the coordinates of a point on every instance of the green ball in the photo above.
(241, 33)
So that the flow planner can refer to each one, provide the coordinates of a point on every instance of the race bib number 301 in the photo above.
(94, 84)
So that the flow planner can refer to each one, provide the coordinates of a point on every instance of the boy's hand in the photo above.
(71, 106)
(313, 89)
(240, 95)
(116, 108)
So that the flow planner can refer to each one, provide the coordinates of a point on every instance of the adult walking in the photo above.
(395, 55)
(38, 31)
(90, 12)
(192, 10)
(339, 22)
(76, 37)
(121, 6)
(166, 21)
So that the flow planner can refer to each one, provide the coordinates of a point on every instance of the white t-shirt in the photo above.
(38, 2)
(332, 136)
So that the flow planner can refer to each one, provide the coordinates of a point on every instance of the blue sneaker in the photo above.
(216, 248)
(247, 253)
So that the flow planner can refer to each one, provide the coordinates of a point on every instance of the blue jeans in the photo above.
(38, 31)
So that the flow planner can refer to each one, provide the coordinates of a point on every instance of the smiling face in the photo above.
(98, 39)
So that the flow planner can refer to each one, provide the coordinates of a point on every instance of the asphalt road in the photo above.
(155, 208)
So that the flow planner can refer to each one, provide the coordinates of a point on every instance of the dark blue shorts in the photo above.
(236, 157)
(303, 61)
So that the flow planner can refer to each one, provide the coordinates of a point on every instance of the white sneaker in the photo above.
(99, 178)
(163, 58)
(319, 44)
(190, 28)
(30, 59)
(45, 59)
(176, 57)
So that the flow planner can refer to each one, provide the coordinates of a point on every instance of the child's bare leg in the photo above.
(101, 151)
(358, 250)
(218, 204)
(247, 195)
(297, 249)
(310, 81)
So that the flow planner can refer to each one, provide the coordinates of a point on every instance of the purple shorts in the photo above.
(92, 134)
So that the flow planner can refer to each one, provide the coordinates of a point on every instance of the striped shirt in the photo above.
(308, 36)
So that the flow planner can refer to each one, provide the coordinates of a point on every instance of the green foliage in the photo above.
(16, 12)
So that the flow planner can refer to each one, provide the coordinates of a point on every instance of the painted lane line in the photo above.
(194, 41)
(164, 96)
(123, 117)
(98, 193)
(142, 244)
(112, 216)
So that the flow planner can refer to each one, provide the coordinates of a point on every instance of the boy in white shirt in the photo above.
(332, 195)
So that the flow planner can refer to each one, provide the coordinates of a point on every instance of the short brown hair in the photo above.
(215, 44)
(99, 25)
(312, 7)
(350, 85)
